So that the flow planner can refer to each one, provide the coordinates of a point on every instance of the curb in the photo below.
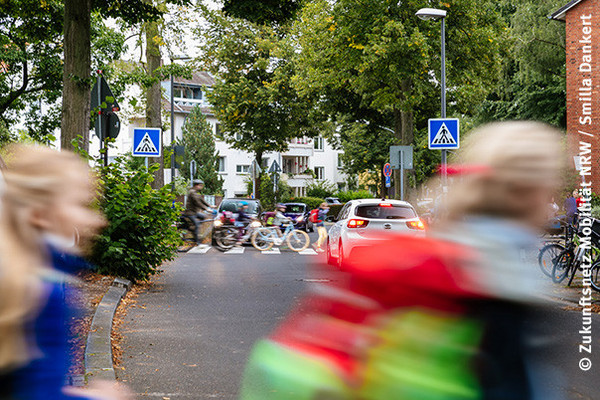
(98, 350)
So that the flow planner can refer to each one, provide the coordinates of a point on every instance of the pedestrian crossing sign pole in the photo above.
(147, 142)
(444, 133)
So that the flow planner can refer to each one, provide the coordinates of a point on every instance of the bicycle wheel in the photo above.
(595, 276)
(562, 265)
(262, 239)
(298, 240)
(225, 238)
(548, 254)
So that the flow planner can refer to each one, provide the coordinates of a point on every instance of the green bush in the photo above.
(311, 202)
(353, 195)
(141, 232)
(320, 189)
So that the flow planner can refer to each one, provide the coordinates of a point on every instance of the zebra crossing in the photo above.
(205, 248)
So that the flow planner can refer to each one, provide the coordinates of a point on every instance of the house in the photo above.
(582, 25)
(305, 160)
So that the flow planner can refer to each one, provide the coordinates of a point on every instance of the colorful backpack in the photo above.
(314, 216)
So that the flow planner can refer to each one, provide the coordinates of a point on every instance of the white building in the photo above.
(303, 155)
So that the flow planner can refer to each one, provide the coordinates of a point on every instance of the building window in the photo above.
(341, 186)
(185, 92)
(218, 131)
(320, 173)
(319, 143)
(242, 169)
(265, 164)
(340, 163)
(221, 164)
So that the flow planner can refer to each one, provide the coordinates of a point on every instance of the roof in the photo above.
(184, 109)
(198, 78)
(560, 14)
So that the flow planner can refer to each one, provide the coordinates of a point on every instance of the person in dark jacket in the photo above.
(196, 207)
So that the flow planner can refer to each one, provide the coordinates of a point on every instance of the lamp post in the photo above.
(172, 58)
(435, 14)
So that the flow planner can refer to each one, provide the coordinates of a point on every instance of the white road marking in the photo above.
(273, 250)
(200, 249)
(308, 252)
(235, 250)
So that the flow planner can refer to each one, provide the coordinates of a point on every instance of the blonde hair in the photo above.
(505, 159)
(34, 179)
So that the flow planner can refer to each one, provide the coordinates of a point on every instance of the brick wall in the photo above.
(583, 107)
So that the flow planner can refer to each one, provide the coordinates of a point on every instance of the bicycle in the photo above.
(569, 260)
(264, 238)
(186, 228)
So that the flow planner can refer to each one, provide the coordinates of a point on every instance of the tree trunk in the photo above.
(76, 79)
(154, 95)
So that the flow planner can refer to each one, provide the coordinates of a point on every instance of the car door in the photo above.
(336, 229)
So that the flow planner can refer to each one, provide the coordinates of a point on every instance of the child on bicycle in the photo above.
(241, 221)
(280, 219)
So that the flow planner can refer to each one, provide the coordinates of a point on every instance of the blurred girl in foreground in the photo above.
(44, 205)
(448, 316)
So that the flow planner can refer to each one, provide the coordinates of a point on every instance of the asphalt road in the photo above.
(190, 334)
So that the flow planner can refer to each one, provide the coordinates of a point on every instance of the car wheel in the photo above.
(340, 258)
(330, 259)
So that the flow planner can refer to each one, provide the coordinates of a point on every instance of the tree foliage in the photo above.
(258, 108)
(533, 84)
(30, 63)
(199, 145)
(142, 233)
(262, 12)
(377, 62)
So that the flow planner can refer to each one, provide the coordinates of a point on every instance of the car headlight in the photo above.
(217, 223)
(300, 218)
(255, 224)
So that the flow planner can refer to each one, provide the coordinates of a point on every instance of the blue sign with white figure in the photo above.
(444, 133)
(146, 142)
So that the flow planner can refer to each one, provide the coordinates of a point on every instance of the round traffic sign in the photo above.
(387, 169)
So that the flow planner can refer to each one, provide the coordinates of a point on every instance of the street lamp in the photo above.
(435, 14)
(172, 58)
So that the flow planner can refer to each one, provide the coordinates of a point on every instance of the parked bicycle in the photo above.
(264, 238)
(567, 260)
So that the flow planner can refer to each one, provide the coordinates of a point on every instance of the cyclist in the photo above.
(280, 219)
(242, 221)
(196, 207)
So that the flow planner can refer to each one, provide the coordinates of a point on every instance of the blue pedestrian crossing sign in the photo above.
(147, 142)
(444, 133)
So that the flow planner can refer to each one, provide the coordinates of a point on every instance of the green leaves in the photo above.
(142, 232)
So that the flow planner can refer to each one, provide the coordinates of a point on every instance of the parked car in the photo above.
(294, 211)
(332, 200)
(361, 221)
(233, 204)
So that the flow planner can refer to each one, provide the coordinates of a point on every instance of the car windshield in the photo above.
(379, 212)
(295, 208)
(234, 205)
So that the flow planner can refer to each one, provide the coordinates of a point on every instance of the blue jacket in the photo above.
(44, 377)
(321, 216)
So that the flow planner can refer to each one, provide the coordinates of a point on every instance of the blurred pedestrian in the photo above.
(450, 316)
(571, 207)
(321, 216)
(45, 205)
